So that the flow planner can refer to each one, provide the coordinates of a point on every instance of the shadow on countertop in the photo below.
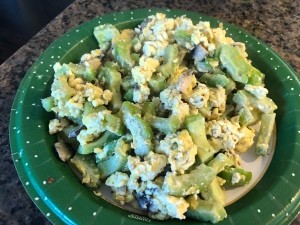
(20, 20)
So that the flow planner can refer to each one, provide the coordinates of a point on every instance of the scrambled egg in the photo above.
(118, 182)
(172, 100)
(225, 132)
(180, 149)
(56, 125)
(147, 169)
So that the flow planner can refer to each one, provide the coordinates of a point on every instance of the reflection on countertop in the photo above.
(275, 22)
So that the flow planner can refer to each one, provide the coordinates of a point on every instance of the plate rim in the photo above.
(31, 191)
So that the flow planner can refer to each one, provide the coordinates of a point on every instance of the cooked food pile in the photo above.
(159, 113)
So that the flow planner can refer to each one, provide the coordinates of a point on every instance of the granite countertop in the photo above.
(275, 22)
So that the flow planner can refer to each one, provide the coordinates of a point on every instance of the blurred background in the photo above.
(22, 19)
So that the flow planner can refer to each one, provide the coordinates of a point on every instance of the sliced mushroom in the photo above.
(74, 132)
(199, 53)
(64, 151)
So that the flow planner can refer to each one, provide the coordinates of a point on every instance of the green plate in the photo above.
(51, 184)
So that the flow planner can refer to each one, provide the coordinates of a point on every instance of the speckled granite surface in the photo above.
(275, 22)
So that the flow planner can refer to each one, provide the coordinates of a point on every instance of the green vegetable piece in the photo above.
(158, 82)
(105, 138)
(206, 211)
(214, 191)
(127, 83)
(255, 77)
(48, 103)
(183, 37)
(235, 64)
(106, 152)
(114, 124)
(246, 99)
(115, 162)
(135, 57)
(246, 116)
(187, 184)
(86, 169)
(140, 129)
(91, 69)
(130, 108)
(235, 176)
(129, 95)
(165, 125)
(214, 80)
(238, 67)
(150, 107)
(230, 86)
(195, 124)
(105, 34)
(113, 81)
(182, 53)
(203, 66)
(249, 117)
(171, 60)
(221, 161)
(265, 133)
(89, 108)
(121, 49)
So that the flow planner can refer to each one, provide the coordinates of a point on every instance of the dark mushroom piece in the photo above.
(64, 151)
